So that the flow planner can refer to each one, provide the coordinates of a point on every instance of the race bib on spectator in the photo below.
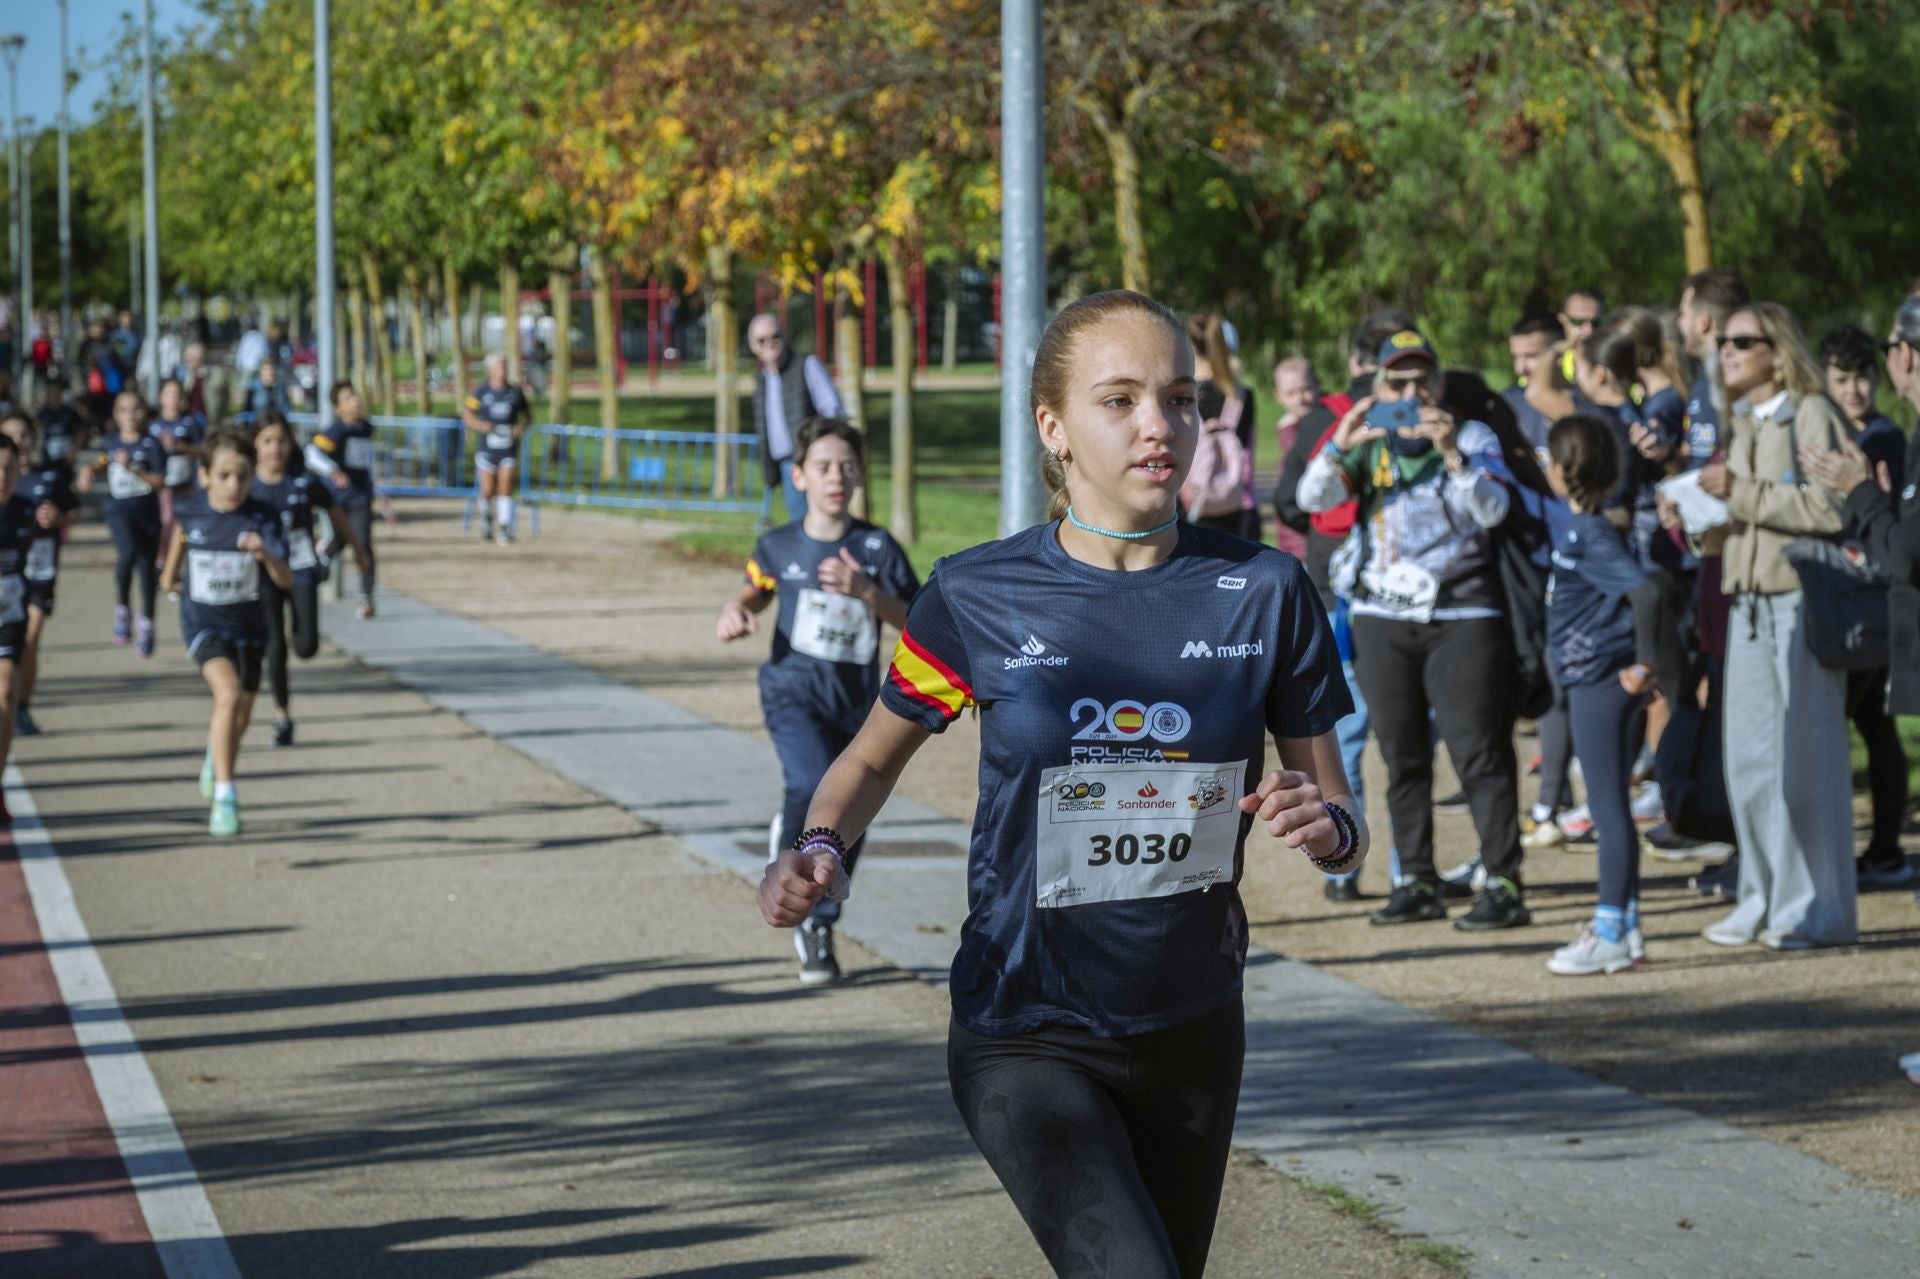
(834, 628)
(1122, 832)
(223, 577)
(1407, 589)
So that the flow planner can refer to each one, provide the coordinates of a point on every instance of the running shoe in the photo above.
(505, 538)
(23, 722)
(1728, 932)
(173, 597)
(1589, 954)
(1642, 768)
(365, 611)
(1875, 874)
(1576, 824)
(1533, 766)
(1410, 903)
(1341, 890)
(1544, 835)
(122, 625)
(206, 776)
(143, 636)
(1781, 939)
(1911, 1064)
(283, 732)
(486, 529)
(1636, 944)
(1454, 803)
(815, 944)
(1463, 881)
(1648, 808)
(1661, 841)
(225, 818)
(1719, 881)
(1498, 906)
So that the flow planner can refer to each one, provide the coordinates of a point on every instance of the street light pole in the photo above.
(10, 46)
(151, 343)
(23, 323)
(1023, 261)
(67, 344)
(323, 283)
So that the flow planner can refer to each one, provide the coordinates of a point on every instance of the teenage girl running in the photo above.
(1097, 1036)
(134, 467)
(226, 543)
(1608, 644)
(20, 524)
(296, 498)
(499, 413)
(48, 487)
(342, 455)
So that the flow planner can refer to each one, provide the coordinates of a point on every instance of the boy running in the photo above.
(47, 487)
(19, 523)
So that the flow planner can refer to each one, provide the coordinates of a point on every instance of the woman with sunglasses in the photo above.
(1429, 635)
(1786, 714)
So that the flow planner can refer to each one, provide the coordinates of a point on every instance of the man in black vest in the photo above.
(787, 390)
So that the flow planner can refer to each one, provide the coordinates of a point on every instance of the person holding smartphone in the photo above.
(1429, 635)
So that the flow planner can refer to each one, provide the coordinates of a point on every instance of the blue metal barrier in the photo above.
(650, 470)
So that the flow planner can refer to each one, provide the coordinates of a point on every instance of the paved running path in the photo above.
(1533, 1168)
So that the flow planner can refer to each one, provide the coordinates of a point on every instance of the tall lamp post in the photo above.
(323, 282)
(23, 323)
(10, 47)
(67, 337)
(151, 343)
(1023, 259)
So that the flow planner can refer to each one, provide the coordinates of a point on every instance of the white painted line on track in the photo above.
(178, 1214)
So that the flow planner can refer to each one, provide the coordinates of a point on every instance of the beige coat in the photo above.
(1768, 505)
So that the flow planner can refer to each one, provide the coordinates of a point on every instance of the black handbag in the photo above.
(1845, 598)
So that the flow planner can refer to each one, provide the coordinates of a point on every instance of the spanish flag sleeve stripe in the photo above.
(326, 442)
(758, 578)
(928, 680)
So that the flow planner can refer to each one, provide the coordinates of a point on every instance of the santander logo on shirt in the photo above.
(1034, 653)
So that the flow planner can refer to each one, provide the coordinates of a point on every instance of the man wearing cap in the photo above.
(1428, 633)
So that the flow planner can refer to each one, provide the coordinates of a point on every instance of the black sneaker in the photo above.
(1454, 803)
(1498, 906)
(283, 732)
(815, 944)
(1409, 904)
(1720, 881)
(1875, 871)
(23, 722)
(1342, 890)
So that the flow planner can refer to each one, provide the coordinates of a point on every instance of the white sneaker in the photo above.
(1911, 1064)
(1543, 836)
(1728, 932)
(1636, 945)
(1648, 808)
(1589, 953)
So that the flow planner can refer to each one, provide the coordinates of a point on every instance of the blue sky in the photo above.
(91, 26)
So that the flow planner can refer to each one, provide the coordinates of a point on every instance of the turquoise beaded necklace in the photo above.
(1085, 527)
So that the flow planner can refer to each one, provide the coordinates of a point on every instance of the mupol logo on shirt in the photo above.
(1200, 648)
(1034, 654)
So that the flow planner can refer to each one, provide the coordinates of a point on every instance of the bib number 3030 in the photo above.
(1127, 831)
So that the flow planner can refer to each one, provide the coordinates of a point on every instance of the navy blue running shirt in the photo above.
(221, 587)
(826, 647)
(500, 409)
(128, 496)
(1121, 715)
(1590, 631)
(350, 446)
(18, 530)
(50, 483)
(295, 497)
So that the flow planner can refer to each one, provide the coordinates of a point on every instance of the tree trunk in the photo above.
(724, 355)
(905, 507)
(848, 349)
(510, 319)
(457, 339)
(1681, 150)
(417, 321)
(1123, 157)
(357, 322)
(560, 366)
(382, 348)
(476, 330)
(606, 365)
(950, 321)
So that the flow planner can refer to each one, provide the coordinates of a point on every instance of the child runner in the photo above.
(180, 432)
(1605, 633)
(19, 524)
(831, 575)
(62, 433)
(342, 455)
(295, 498)
(134, 466)
(1128, 669)
(48, 488)
(226, 537)
(500, 413)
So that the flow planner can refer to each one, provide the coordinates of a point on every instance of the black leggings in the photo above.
(360, 519)
(305, 635)
(1607, 731)
(1886, 760)
(136, 541)
(1114, 1150)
